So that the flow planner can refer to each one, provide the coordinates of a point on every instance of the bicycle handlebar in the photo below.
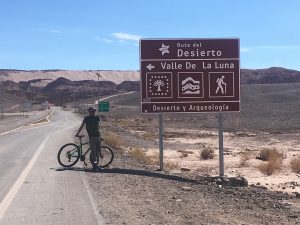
(81, 136)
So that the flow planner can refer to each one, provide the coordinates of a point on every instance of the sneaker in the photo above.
(95, 167)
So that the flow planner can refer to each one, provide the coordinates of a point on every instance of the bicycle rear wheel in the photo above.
(106, 156)
(68, 155)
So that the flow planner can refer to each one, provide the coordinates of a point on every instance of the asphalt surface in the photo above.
(34, 189)
(12, 121)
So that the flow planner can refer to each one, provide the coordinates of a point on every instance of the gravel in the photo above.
(135, 194)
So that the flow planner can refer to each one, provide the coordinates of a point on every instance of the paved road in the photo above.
(13, 121)
(33, 188)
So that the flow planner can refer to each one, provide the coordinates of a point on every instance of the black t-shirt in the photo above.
(92, 125)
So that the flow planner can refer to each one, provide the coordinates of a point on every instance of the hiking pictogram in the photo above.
(221, 85)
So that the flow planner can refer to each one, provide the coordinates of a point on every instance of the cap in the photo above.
(91, 109)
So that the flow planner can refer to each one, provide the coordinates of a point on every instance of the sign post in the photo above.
(161, 143)
(190, 76)
(221, 148)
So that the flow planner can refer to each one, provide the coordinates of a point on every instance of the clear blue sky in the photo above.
(104, 34)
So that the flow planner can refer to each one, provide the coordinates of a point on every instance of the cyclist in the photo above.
(92, 127)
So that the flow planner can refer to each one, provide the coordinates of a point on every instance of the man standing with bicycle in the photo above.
(92, 127)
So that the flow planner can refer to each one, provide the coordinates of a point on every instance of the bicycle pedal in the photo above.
(82, 158)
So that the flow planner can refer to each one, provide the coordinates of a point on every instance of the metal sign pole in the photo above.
(161, 147)
(221, 149)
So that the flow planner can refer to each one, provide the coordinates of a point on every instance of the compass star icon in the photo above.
(164, 49)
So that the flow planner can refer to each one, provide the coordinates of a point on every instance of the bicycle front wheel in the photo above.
(106, 156)
(68, 155)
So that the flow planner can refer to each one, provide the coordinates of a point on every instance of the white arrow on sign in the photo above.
(150, 67)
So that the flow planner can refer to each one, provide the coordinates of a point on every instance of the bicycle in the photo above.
(69, 154)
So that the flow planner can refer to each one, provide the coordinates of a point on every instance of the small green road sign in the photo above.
(103, 106)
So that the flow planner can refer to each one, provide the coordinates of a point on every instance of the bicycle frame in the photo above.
(81, 149)
(77, 152)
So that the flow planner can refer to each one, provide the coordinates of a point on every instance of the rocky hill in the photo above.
(273, 75)
(40, 78)
(129, 86)
(63, 86)
(43, 77)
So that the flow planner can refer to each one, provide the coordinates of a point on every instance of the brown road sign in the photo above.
(189, 75)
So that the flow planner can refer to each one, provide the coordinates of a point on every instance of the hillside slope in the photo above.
(47, 76)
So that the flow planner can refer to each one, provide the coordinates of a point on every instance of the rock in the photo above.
(293, 216)
(185, 169)
(186, 188)
(297, 194)
(218, 181)
(235, 182)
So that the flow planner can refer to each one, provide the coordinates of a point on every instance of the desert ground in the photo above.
(188, 191)
(271, 123)
(132, 191)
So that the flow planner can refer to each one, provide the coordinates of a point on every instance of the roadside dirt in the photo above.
(131, 193)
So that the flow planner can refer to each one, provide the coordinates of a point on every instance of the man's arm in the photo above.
(80, 128)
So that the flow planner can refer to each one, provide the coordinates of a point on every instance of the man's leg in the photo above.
(94, 150)
(98, 150)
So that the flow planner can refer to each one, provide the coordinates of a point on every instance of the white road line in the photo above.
(26, 128)
(12, 131)
(23, 128)
(29, 125)
(15, 188)
(117, 95)
(101, 99)
(91, 197)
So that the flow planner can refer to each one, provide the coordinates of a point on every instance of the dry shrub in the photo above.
(172, 134)
(171, 165)
(185, 151)
(270, 154)
(113, 140)
(207, 153)
(295, 165)
(274, 160)
(183, 155)
(205, 169)
(152, 159)
(244, 158)
(140, 155)
(270, 167)
(149, 136)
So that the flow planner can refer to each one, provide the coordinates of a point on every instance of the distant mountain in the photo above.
(61, 86)
(273, 75)
(43, 77)
(129, 86)
(40, 78)
(67, 90)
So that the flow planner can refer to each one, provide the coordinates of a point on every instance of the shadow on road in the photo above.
(134, 172)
